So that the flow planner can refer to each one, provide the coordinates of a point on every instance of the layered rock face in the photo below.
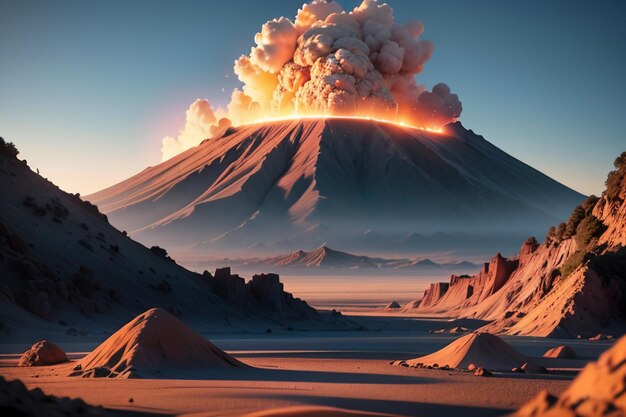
(469, 290)
(574, 284)
(263, 291)
(434, 293)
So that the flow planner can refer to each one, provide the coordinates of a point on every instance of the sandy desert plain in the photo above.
(347, 369)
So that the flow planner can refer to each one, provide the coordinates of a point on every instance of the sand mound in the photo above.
(394, 305)
(311, 411)
(43, 353)
(480, 349)
(600, 389)
(151, 343)
(561, 352)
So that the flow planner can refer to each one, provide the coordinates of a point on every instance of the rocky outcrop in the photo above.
(561, 352)
(263, 291)
(231, 287)
(468, 290)
(574, 284)
(17, 400)
(434, 294)
(43, 353)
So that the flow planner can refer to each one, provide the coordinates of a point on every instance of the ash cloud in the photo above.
(198, 122)
(329, 60)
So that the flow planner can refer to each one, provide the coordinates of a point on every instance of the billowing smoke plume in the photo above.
(331, 61)
(200, 118)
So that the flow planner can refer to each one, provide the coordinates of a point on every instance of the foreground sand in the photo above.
(347, 370)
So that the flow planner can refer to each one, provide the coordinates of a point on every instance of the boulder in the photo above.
(482, 372)
(43, 353)
(561, 352)
(532, 368)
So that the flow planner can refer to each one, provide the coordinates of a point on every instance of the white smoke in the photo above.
(331, 61)
(199, 120)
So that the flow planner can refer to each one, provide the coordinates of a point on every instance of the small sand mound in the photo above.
(43, 353)
(600, 389)
(482, 350)
(561, 352)
(151, 343)
(394, 305)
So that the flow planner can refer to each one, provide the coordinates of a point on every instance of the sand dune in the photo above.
(154, 343)
(479, 349)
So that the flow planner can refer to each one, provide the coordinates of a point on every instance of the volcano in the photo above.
(293, 183)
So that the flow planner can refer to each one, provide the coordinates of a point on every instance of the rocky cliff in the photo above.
(264, 291)
(574, 284)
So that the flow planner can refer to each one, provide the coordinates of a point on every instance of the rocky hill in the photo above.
(63, 265)
(574, 284)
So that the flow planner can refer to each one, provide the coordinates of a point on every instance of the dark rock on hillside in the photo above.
(264, 291)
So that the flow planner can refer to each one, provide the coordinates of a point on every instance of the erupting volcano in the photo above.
(328, 62)
(332, 140)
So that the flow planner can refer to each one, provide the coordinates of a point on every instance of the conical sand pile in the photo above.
(153, 342)
(480, 349)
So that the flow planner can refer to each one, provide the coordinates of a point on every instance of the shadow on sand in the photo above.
(281, 375)
(395, 407)
(325, 354)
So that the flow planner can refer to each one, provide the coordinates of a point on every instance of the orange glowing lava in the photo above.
(327, 116)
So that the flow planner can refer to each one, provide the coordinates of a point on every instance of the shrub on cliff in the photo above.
(8, 148)
(588, 231)
(616, 181)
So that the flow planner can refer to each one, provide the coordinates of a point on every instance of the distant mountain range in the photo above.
(327, 258)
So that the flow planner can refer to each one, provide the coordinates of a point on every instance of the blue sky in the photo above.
(88, 89)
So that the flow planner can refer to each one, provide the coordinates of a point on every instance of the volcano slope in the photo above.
(574, 284)
(62, 264)
(299, 183)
